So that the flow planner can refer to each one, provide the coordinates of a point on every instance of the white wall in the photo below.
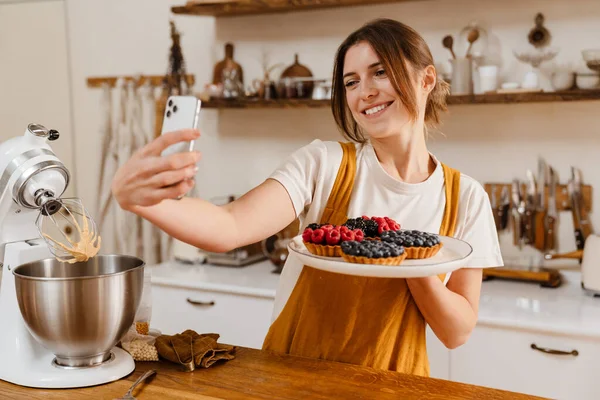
(241, 147)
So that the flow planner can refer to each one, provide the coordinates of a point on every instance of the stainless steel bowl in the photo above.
(80, 311)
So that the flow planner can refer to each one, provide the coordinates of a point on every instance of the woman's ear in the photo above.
(429, 78)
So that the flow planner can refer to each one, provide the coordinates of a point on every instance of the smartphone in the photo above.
(181, 112)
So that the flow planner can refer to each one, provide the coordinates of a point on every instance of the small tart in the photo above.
(418, 244)
(379, 261)
(415, 253)
(373, 252)
(324, 249)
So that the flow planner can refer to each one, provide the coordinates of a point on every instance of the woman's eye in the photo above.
(380, 72)
(350, 84)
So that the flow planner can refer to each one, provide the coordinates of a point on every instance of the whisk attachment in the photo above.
(68, 229)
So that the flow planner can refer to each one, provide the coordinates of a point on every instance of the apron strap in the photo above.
(336, 210)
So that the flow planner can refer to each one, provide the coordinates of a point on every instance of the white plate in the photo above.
(452, 256)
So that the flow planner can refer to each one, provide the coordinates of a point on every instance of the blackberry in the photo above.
(371, 228)
(314, 226)
(355, 223)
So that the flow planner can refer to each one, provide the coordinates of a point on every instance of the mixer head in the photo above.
(68, 229)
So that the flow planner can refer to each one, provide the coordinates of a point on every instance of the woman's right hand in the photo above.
(147, 178)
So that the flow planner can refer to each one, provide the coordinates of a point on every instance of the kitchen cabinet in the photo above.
(504, 359)
(240, 319)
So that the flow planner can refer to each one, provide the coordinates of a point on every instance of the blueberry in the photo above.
(419, 242)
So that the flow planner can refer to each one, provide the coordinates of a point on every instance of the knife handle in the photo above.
(550, 234)
(539, 230)
(577, 254)
(579, 239)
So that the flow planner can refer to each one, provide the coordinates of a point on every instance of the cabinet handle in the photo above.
(574, 353)
(201, 303)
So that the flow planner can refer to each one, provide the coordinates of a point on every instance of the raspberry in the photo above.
(307, 235)
(333, 237)
(344, 229)
(365, 217)
(337, 228)
(327, 227)
(394, 226)
(383, 227)
(318, 236)
(347, 235)
(359, 235)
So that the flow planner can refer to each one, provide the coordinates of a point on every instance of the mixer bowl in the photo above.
(80, 311)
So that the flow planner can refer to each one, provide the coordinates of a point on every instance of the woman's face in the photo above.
(374, 103)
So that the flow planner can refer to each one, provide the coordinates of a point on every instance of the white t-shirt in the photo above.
(309, 174)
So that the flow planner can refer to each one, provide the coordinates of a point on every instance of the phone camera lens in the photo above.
(168, 114)
(175, 109)
(170, 103)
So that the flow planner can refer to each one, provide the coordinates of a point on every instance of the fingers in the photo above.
(175, 191)
(168, 178)
(165, 140)
(174, 162)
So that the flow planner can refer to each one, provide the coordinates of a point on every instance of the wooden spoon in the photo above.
(448, 42)
(473, 36)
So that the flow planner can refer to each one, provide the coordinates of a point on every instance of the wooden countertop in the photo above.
(256, 374)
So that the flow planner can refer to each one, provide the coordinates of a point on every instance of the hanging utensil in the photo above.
(530, 209)
(539, 224)
(516, 212)
(504, 208)
(551, 212)
(584, 220)
(574, 197)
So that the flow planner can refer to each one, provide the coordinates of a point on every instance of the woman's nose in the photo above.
(367, 90)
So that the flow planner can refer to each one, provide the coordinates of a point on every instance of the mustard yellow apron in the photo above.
(354, 319)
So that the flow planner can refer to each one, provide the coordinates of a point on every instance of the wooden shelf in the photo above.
(224, 8)
(496, 98)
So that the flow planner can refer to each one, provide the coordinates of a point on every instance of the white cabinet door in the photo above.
(238, 319)
(34, 73)
(531, 363)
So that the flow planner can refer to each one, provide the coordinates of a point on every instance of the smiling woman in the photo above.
(386, 93)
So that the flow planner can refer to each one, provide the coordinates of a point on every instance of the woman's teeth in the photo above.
(373, 110)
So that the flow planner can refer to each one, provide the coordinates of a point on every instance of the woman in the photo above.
(385, 94)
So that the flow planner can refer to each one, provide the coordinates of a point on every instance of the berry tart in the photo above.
(325, 240)
(418, 244)
(373, 252)
(373, 227)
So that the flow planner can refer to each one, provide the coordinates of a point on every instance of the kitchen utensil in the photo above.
(584, 220)
(539, 221)
(448, 42)
(551, 212)
(66, 225)
(574, 190)
(60, 322)
(80, 311)
(129, 395)
(517, 211)
(452, 256)
(471, 37)
(297, 70)
(504, 208)
(530, 208)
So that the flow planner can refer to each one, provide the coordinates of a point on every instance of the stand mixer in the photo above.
(60, 322)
